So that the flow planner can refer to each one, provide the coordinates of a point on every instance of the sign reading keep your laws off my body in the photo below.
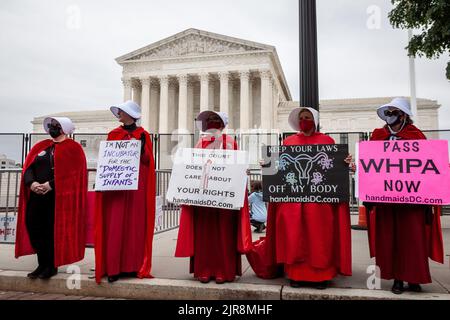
(306, 173)
(411, 171)
(209, 177)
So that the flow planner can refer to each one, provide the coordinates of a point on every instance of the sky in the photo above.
(58, 55)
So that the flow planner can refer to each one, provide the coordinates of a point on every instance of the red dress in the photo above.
(401, 236)
(125, 220)
(70, 203)
(309, 241)
(214, 238)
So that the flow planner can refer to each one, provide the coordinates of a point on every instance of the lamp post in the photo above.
(309, 83)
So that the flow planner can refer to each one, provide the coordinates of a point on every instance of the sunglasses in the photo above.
(53, 125)
(389, 113)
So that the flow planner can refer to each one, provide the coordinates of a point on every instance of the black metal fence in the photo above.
(167, 217)
(15, 147)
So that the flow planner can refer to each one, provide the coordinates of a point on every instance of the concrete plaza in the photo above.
(173, 281)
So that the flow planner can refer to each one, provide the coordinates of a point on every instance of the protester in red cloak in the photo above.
(52, 202)
(310, 242)
(401, 236)
(214, 238)
(125, 220)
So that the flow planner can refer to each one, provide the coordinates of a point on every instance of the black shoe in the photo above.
(414, 287)
(128, 275)
(35, 274)
(295, 284)
(48, 273)
(397, 288)
(321, 285)
(113, 278)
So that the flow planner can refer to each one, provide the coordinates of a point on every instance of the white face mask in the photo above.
(392, 120)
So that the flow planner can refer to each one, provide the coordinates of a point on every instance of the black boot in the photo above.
(35, 274)
(414, 287)
(113, 278)
(295, 284)
(128, 275)
(48, 273)
(321, 285)
(397, 288)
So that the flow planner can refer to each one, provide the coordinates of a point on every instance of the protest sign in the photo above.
(209, 177)
(118, 165)
(306, 173)
(411, 171)
(8, 224)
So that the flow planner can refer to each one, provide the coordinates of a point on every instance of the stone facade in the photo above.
(192, 71)
(359, 115)
(176, 78)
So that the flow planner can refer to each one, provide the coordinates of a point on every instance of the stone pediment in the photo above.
(193, 42)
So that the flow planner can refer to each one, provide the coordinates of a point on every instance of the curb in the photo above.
(170, 289)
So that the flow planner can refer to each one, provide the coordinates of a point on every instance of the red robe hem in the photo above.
(265, 259)
(145, 270)
(70, 203)
(433, 231)
(185, 242)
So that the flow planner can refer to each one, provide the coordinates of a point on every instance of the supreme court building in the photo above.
(176, 78)
(192, 71)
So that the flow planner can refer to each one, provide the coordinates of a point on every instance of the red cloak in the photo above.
(310, 241)
(218, 224)
(70, 202)
(399, 238)
(104, 199)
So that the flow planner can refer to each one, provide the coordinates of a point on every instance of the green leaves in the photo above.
(432, 19)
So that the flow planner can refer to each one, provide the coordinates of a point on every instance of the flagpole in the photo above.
(412, 83)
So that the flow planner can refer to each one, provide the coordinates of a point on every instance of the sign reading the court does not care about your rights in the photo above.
(118, 165)
(209, 177)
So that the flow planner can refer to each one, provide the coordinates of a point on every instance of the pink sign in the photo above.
(404, 171)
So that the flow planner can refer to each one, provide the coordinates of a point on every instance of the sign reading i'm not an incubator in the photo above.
(118, 165)
(306, 173)
(209, 177)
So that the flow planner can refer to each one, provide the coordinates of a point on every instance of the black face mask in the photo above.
(54, 132)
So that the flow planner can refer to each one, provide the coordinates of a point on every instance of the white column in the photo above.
(204, 91)
(211, 97)
(266, 99)
(173, 105)
(183, 102)
(136, 87)
(126, 89)
(145, 103)
(190, 113)
(275, 104)
(164, 105)
(224, 93)
(250, 103)
(245, 100)
(154, 112)
(232, 110)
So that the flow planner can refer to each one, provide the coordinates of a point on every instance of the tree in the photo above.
(432, 18)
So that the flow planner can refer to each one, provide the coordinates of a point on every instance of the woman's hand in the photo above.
(351, 164)
(349, 159)
(37, 188)
(46, 187)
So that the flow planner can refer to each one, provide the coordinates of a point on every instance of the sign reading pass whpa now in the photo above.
(410, 171)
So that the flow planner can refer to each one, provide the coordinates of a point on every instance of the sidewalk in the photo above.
(172, 280)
